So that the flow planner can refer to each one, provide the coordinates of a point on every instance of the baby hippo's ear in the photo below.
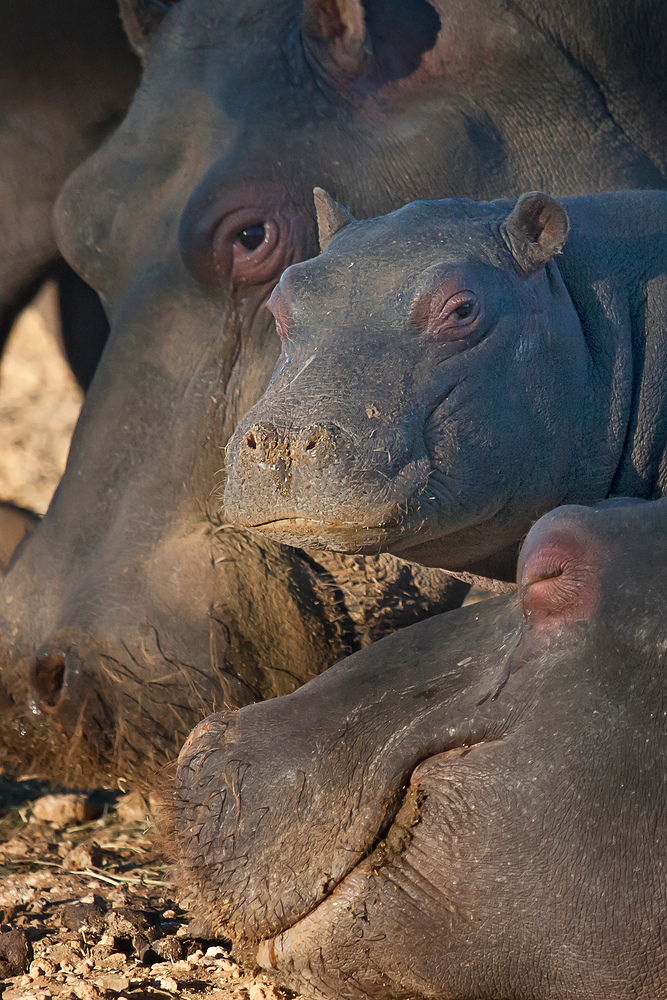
(535, 230)
(331, 217)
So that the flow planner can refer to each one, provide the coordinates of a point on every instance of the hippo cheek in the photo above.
(479, 890)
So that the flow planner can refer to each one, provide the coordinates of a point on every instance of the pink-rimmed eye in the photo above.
(242, 237)
(452, 317)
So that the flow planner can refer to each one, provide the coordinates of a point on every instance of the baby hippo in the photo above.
(471, 809)
(454, 370)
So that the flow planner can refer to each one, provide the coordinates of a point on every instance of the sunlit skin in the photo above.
(473, 807)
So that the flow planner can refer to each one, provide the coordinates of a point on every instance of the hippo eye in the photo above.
(453, 318)
(252, 236)
(244, 236)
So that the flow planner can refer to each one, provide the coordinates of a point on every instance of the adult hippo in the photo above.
(473, 808)
(67, 76)
(122, 614)
(454, 370)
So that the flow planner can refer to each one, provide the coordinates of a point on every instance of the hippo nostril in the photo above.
(48, 680)
(251, 440)
(312, 439)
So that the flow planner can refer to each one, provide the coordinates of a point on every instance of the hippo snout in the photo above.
(270, 458)
(278, 803)
(306, 480)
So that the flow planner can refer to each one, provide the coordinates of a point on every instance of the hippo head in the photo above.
(472, 807)
(428, 396)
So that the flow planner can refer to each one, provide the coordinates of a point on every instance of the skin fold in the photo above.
(183, 222)
(470, 808)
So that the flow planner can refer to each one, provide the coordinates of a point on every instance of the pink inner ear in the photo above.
(558, 576)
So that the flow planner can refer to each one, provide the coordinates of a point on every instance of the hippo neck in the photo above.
(619, 293)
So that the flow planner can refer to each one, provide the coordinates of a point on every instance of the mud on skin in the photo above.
(453, 370)
(183, 222)
(471, 808)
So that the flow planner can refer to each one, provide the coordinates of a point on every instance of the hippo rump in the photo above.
(67, 76)
(473, 808)
(122, 619)
(454, 370)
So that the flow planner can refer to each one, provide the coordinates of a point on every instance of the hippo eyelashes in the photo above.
(445, 311)
(240, 238)
(453, 318)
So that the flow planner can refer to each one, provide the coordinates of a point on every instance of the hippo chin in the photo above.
(471, 808)
(453, 370)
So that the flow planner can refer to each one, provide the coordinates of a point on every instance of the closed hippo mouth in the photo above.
(349, 535)
(285, 809)
(273, 953)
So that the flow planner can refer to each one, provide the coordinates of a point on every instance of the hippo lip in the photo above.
(311, 524)
(407, 815)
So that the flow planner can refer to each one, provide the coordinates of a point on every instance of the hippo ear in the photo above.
(535, 230)
(140, 18)
(331, 217)
(338, 29)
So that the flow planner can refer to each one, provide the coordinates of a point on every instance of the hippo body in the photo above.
(184, 222)
(67, 76)
(450, 374)
(471, 808)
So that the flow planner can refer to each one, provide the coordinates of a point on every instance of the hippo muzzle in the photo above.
(463, 809)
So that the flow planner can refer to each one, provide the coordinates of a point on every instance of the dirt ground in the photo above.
(88, 909)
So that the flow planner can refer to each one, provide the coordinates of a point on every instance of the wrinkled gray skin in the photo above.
(473, 808)
(67, 76)
(392, 424)
(110, 618)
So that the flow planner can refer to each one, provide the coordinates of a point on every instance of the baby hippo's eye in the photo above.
(463, 312)
(452, 317)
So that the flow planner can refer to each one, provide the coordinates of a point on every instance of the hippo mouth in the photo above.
(309, 532)
(311, 524)
(280, 826)
(270, 953)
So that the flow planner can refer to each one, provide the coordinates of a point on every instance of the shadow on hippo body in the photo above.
(183, 222)
(473, 807)
(453, 370)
